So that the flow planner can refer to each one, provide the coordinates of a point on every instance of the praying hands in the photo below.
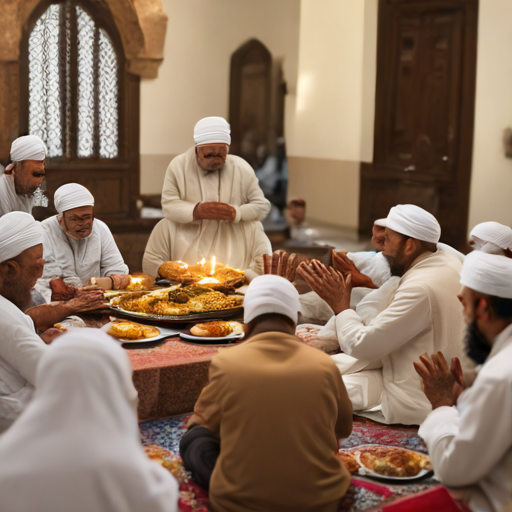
(328, 283)
(213, 210)
(281, 264)
(442, 385)
(342, 263)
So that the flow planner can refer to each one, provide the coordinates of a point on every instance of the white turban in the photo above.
(28, 147)
(494, 233)
(413, 221)
(212, 130)
(18, 231)
(488, 273)
(380, 222)
(72, 195)
(271, 294)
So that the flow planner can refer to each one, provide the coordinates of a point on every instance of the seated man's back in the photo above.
(279, 407)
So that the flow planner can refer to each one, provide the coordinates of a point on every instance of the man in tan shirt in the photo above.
(278, 408)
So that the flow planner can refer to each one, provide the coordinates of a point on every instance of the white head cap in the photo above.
(72, 195)
(18, 231)
(380, 222)
(271, 294)
(212, 130)
(28, 147)
(413, 221)
(494, 233)
(488, 273)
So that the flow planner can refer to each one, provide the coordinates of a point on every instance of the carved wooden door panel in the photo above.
(424, 112)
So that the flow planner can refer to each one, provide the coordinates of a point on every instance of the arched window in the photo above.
(79, 99)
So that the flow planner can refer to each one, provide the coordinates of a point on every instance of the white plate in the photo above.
(164, 333)
(191, 337)
(364, 471)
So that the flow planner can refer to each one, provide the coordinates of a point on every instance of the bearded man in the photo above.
(76, 245)
(469, 430)
(422, 312)
(212, 204)
(23, 176)
(21, 264)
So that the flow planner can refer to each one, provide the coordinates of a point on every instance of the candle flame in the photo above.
(214, 262)
(202, 262)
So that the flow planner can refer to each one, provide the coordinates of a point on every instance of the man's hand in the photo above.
(281, 264)
(328, 283)
(441, 385)
(87, 300)
(342, 263)
(212, 210)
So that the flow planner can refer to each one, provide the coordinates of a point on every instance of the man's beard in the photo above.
(396, 266)
(22, 190)
(19, 294)
(477, 347)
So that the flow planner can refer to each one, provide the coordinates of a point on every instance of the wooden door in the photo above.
(424, 113)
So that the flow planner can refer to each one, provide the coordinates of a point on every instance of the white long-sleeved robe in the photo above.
(424, 315)
(470, 445)
(235, 243)
(9, 200)
(20, 352)
(75, 260)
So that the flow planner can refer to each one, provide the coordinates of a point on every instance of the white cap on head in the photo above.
(28, 147)
(380, 222)
(212, 130)
(271, 294)
(72, 195)
(18, 231)
(413, 221)
(494, 233)
(488, 273)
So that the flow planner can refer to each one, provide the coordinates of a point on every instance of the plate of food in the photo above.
(390, 462)
(214, 332)
(183, 304)
(132, 332)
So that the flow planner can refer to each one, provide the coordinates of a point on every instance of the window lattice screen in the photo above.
(73, 84)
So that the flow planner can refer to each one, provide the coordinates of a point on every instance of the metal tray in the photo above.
(180, 319)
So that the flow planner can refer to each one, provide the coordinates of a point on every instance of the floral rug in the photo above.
(161, 438)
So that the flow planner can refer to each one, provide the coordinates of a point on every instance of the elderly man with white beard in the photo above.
(76, 245)
(212, 204)
(23, 176)
(469, 431)
(21, 264)
(422, 315)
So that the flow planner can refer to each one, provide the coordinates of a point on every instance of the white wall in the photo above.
(491, 184)
(193, 80)
(334, 114)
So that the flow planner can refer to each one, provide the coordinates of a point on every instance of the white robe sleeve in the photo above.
(173, 207)
(465, 446)
(406, 316)
(158, 248)
(111, 260)
(256, 207)
(261, 245)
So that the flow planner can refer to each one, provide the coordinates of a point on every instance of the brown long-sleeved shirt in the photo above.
(279, 407)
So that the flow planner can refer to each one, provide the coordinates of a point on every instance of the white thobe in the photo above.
(470, 445)
(9, 200)
(20, 352)
(76, 261)
(372, 264)
(187, 184)
(424, 315)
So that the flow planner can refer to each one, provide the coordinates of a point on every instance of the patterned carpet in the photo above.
(161, 438)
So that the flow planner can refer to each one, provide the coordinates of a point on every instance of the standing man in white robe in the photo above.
(23, 176)
(423, 316)
(21, 264)
(469, 431)
(212, 204)
(76, 245)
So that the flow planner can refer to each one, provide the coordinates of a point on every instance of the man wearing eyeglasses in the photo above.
(212, 204)
(76, 245)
